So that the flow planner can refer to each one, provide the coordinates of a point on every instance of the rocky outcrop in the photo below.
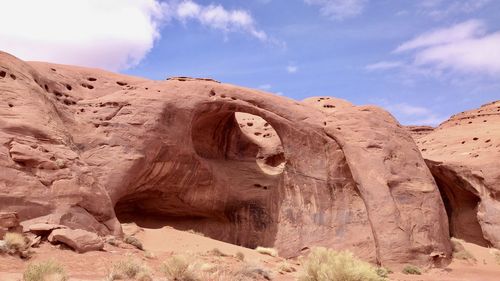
(462, 154)
(9, 222)
(83, 147)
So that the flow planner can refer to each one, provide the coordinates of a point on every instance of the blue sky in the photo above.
(421, 60)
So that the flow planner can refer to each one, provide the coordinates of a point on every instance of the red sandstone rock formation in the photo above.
(81, 146)
(463, 154)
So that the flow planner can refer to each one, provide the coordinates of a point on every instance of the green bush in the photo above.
(411, 269)
(329, 265)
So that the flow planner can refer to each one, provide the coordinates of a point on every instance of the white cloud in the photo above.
(112, 34)
(217, 17)
(339, 9)
(465, 30)
(465, 47)
(384, 65)
(292, 68)
(414, 115)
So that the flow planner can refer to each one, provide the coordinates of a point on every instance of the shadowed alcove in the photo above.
(227, 189)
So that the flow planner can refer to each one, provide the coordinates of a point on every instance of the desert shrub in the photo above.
(459, 251)
(130, 269)
(3, 247)
(14, 242)
(267, 251)
(383, 272)
(111, 240)
(216, 252)
(134, 242)
(329, 265)
(252, 272)
(496, 254)
(240, 256)
(286, 267)
(45, 271)
(211, 272)
(411, 269)
(178, 269)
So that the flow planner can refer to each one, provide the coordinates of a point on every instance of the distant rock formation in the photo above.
(463, 155)
(84, 148)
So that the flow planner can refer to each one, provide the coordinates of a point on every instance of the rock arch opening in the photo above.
(226, 187)
(461, 202)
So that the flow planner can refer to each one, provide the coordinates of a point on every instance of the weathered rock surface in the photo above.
(79, 240)
(9, 221)
(463, 154)
(81, 147)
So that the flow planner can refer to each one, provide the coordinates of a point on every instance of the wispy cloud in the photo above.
(384, 65)
(414, 115)
(216, 17)
(459, 32)
(440, 9)
(450, 52)
(265, 87)
(465, 47)
(339, 9)
(407, 109)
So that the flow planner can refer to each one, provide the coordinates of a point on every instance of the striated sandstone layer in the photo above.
(463, 154)
(86, 148)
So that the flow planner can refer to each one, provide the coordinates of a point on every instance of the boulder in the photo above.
(43, 229)
(9, 222)
(77, 239)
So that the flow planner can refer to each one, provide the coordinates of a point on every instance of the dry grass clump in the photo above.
(267, 251)
(252, 272)
(216, 252)
(459, 251)
(178, 269)
(132, 240)
(45, 271)
(286, 267)
(129, 269)
(14, 242)
(411, 269)
(496, 254)
(383, 272)
(329, 265)
(247, 272)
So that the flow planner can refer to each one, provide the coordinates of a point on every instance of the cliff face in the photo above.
(463, 154)
(85, 148)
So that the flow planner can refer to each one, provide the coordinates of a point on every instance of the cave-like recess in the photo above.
(231, 186)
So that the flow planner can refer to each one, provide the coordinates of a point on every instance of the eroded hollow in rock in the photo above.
(227, 188)
(461, 203)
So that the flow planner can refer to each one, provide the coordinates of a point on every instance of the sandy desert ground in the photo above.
(160, 243)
